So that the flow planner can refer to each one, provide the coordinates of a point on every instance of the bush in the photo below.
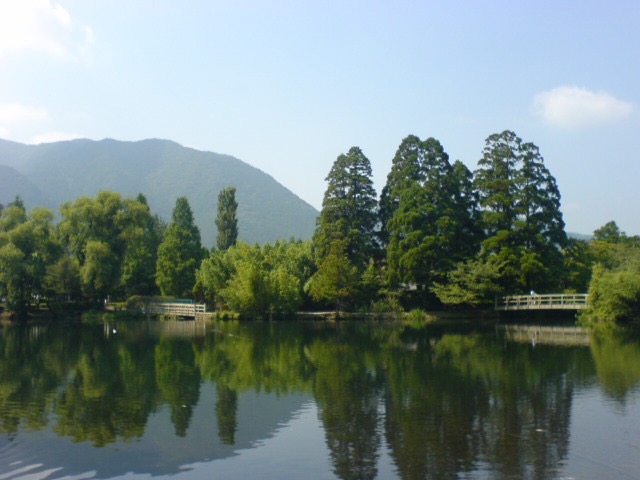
(614, 294)
(416, 317)
(388, 306)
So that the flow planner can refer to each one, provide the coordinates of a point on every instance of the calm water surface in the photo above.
(316, 401)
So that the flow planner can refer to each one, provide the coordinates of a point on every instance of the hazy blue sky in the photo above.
(288, 85)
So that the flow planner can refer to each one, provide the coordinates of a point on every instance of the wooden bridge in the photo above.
(185, 310)
(552, 301)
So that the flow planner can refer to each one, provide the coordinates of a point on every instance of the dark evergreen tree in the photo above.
(405, 169)
(348, 210)
(432, 213)
(226, 221)
(520, 204)
(465, 212)
(180, 253)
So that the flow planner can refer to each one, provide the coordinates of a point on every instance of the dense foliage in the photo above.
(432, 214)
(440, 236)
(254, 280)
(27, 247)
(615, 282)
(521, 213)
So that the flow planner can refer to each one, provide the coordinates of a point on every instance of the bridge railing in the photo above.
(176, 309)
(552, 301)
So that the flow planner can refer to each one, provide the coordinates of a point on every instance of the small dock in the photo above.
(551, 301)
(178, 310)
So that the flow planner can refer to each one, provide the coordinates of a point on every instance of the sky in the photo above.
(287, 86)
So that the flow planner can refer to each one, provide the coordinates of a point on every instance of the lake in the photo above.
(316, 400)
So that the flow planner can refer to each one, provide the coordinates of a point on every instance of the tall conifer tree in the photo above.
(226, 221)
(180, 253)
(349, 210)
(429, 213)
(520, 204)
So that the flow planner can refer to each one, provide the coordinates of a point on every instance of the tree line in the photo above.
(438, 236)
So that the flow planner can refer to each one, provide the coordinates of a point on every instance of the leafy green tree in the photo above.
(99, 274)
(27, 248)
(348, 210)
(248, 289)
(609, 232)
(180, 253)
(13, 215)
(255, 280)
(614, 293)
(212, 277)
(337, 279)
(93, 219)
(226, 221)
(578, 264)
(473, 283)
(62, 278)
(520, 204)
(14, 280)
(614, 288)
(290, 265)
(142, 235)
(124, 227)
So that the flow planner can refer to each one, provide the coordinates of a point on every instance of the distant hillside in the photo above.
(13, 183)
(50, 174)
(579, 236)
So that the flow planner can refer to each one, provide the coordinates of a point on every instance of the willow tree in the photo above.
(114, 242)
(520, 204)
(27, 248)
(226, 221)
(180, 253)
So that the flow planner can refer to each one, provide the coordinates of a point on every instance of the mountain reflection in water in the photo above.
(287, 400)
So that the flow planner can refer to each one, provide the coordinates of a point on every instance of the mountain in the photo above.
(52, 173)
(13, 183)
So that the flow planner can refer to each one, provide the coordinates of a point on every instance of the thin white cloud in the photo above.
(50, 137)
(15, 113)
(17, 116)
(572, 107)
(42, 26)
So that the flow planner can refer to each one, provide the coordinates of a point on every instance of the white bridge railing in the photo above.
(176, 309)
(552, 301)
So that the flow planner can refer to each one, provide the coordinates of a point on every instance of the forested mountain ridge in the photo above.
(53, 173)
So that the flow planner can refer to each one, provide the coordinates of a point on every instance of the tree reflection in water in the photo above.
(443, 404)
